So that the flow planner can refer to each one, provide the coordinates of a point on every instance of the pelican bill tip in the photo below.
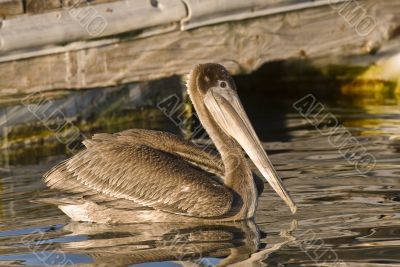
(293, 209)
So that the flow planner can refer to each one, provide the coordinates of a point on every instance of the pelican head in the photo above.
(213, 93)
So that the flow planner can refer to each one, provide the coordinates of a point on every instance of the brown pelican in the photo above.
(142, 175)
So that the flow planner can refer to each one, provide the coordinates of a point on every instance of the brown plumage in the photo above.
(119, 166)
(143, 175)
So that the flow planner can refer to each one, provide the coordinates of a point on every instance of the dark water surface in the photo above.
(345, 217)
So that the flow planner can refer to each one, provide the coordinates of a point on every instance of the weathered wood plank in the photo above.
(242, 46)
(85, 22)
(202, 13)
(11, 7)
(38, 6)
(78, 24)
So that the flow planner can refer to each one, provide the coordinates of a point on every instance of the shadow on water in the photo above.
(269, 93)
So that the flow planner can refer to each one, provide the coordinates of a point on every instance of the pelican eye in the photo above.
(222, 84)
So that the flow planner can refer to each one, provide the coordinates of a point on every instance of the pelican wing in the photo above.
(119, 168)
(172, 144)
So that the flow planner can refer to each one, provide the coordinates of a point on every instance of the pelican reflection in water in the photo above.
(189, 243)
(151, 176)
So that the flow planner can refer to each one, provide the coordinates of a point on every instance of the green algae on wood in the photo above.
(40, 140)
(41, 120)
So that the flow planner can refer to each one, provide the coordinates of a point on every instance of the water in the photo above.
(345, 218)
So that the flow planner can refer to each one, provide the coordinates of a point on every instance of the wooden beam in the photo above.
(11, 7)
(83, 23)
(39, 6)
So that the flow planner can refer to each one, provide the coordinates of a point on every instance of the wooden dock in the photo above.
(74, 44)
